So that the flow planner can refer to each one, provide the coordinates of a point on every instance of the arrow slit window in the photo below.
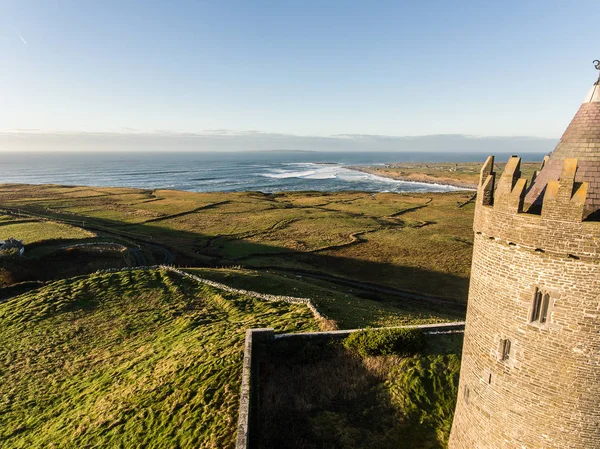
(504, 349)
(540, 307)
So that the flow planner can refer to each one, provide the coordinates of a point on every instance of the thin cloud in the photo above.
(20, 37)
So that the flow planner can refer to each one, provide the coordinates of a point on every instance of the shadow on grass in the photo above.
(59, 264)
(315, 394)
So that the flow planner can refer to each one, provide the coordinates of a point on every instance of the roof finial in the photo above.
(597, 65)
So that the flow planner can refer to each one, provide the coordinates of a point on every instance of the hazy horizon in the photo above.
(16, 142)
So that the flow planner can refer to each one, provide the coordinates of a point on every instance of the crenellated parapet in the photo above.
(564, 199)
(559, 227)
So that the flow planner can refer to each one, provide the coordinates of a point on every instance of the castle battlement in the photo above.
(558, 228)
(531, 356)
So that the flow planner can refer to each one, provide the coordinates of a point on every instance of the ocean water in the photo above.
(232, 171)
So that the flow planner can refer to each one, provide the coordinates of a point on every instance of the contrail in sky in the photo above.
(21, 37)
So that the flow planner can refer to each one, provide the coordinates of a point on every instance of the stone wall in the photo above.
(247, 392)
(544, 393)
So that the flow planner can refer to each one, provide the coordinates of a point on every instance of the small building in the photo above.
(12, 244)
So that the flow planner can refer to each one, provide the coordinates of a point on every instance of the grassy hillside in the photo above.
(129, 359)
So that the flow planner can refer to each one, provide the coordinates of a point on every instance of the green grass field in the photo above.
(33, 232)
(415, 242)
(129, 359)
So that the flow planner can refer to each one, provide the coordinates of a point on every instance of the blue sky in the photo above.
(311, 68)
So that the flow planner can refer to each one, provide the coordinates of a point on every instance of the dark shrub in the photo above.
(372, 342)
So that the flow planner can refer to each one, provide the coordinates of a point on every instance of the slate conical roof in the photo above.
(581, 141)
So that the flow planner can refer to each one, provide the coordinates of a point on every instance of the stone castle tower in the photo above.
(530, 375)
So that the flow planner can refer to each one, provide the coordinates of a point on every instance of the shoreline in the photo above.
(415, 177)
(456, 187)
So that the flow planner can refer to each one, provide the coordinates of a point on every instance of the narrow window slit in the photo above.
(504, 349)
(540, 307)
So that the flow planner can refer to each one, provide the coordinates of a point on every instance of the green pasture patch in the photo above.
(313, 199)
(378, 205)
(43, 230)
(120, 215)
(215, 222)
(83, 192)
(318, 232)
(164, 207)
